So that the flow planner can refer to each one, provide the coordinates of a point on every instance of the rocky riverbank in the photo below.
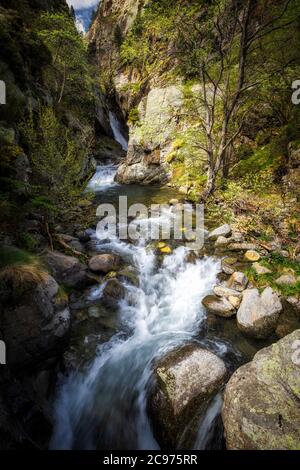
(74, 307)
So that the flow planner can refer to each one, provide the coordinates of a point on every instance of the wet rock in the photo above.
(105, 263)
(68, 270)
(223, 231)
(36, 325)
(130, 275)
(113, 292)
(252, 255)
(261, 402)
(260, 270)
(218, 306)
(258, 314)
(184, 380)
(237, 281)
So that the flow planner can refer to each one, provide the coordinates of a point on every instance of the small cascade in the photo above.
(117, 131)
(103, 178)
(164, 312)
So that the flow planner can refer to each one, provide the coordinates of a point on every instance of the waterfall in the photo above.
(117, 132)
(103, 178)
(106, 407)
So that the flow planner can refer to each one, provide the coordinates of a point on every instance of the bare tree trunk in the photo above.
(226, 162)
(210, 184)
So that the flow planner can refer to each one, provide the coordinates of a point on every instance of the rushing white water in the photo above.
(103, 178)
(106, 407)
(206, 428)
(117, 132)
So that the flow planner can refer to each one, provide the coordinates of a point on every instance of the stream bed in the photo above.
(104, 404)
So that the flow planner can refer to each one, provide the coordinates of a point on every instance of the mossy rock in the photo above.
(261, 402)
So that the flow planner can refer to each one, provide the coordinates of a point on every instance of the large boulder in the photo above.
(218, 306)
(68, 270)
(185, 380)
(259, 313)
(261, 403)
(105, 263)
(34, 326)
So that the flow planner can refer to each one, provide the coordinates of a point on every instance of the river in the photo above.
(105, 406)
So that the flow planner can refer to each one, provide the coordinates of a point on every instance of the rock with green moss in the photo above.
(261, 403)
(184, 381)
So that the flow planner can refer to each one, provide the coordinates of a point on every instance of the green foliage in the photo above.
(58, 158)
(11, 256)
(69, 76)
(133, 116)
(27, 241)
(279, 265)
(263, 158)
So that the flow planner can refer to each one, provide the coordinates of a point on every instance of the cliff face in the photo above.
(151, 102)
(113, 21)
(151, 55)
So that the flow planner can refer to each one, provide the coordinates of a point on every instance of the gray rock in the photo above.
(113, 292)
(223, 231)
(185, 379)
(227, 265)
(258, 314)
(68, 270)
(37, 325)
(221, 242)
(218, 306)
(223, 291)
(238, 281)
(105, 263)
(151, 142)
(261, 401)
